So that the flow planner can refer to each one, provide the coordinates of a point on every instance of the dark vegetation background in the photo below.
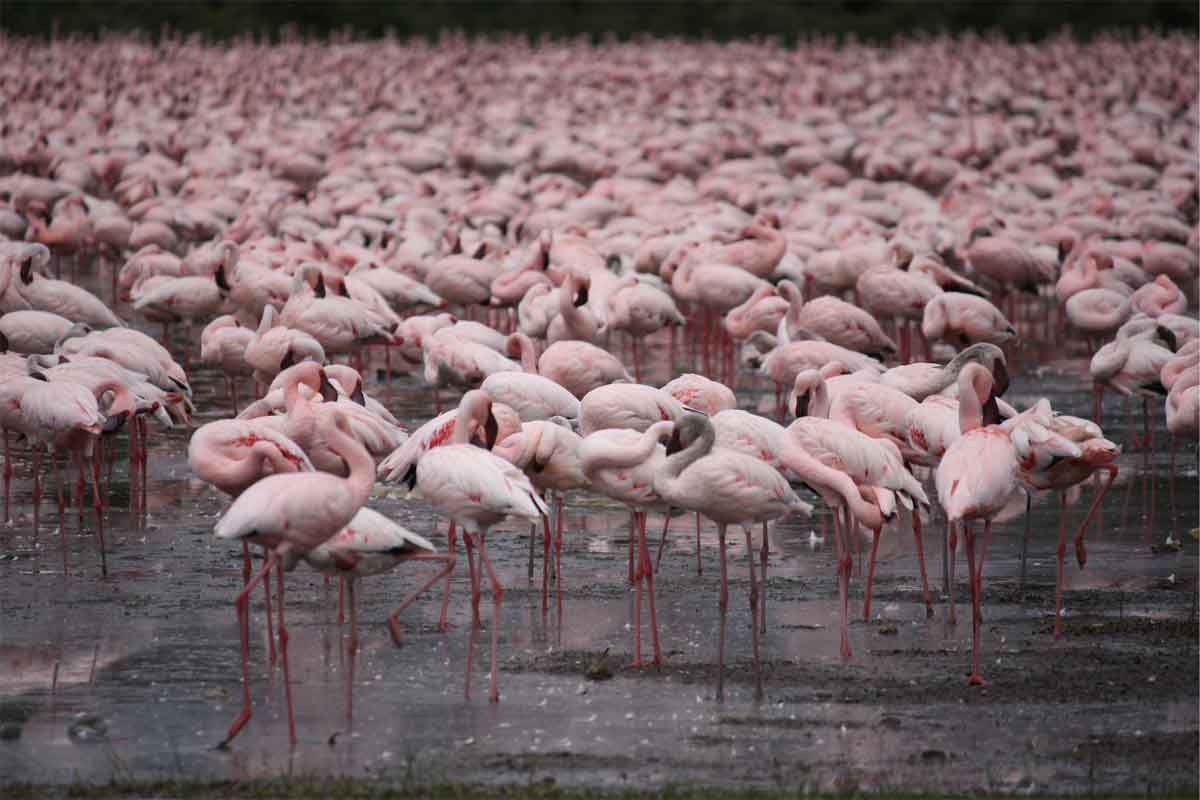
(866, 19)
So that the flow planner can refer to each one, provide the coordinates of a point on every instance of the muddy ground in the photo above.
(135, 677)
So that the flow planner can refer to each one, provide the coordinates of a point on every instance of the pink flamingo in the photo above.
(964, 319)
(626, 405)
(621, 463)
(477, 490)
(729, 488)
(223, 344)
(835, 321)
(976, 478)
(290, 514)
(1046, 464)
(548, 453)
(579, 367)
(1161, 296)
(36, 331)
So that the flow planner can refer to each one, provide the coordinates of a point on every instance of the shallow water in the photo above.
(150, 657)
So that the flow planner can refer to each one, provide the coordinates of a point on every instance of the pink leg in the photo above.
(953, 544)
(497, 596)
(637, 596)
(843, 570)
(632, 537)
(473, 569)
(975, 679)
(341, 606)
(648, 571)
(242, 604)
(724, 604)
(37, 486)
(452, 549)
(1061, 553)
(7, 477)
(393, 618)
(699, 566)
(765, 554)
(1080, 550)
(545, 564)
(916, 517)
(875, 534)
(267, 608)
(662, 540)
(758, 686)
(353, 615)
(245, 562)
(467, 540)
(287, 675)
(98, 505)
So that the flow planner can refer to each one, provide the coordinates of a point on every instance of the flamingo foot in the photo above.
(976, 679)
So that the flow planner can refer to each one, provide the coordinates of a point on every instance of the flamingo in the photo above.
(476, 490)
(290, 514)
(59, 297)
(729, 488)
(975, 479)
(36, 331)
(1046, 464)
(223, 344)
(622, 463)
(836, 321)
(965, 319)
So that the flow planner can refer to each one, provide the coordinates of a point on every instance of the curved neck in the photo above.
(268, 319)
(606, 454)
(699, 447)
(528, 355)
(974, 388)
(828, 481)
(362, 466)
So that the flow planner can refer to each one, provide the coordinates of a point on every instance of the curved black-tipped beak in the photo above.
(328, 393)
(801, 406)
(357, 395)
(114, 423)
(491, 429)
(222, 283)
(1000, 379)
(320, 287)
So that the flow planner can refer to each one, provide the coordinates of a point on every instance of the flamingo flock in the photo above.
(602, 259)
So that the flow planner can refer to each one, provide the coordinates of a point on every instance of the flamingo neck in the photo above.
(699, 447)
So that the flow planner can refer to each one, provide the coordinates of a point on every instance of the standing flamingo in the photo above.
(290, 514)
(729, 488)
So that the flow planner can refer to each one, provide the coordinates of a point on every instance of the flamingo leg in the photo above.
(7, 477)
(287, 675)
(473, 569)
(1025, 540)
(699, 566)
(637, 596)
(98, 505)
(393, 618)
(875, 536)
(341, 606)
(952, 546)
(758, 686)
(648, 573)
(1080, 550)
(532, 544)
(242, 604)
(270, 623)
(452, 549)
(497, 596)
(558, 531)
(1060, 553)
(663, 539)
(843, 571)
(37, 486)
(632, 538)
(353, 646)
(467, 540)
(916, 515)
(545, 564)
(245, 562)
(723, 604)
(765, 555)
(975, 678)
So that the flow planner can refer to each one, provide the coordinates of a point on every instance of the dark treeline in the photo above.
(867, 19)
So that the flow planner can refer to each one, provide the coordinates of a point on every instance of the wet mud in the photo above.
(135, 677)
